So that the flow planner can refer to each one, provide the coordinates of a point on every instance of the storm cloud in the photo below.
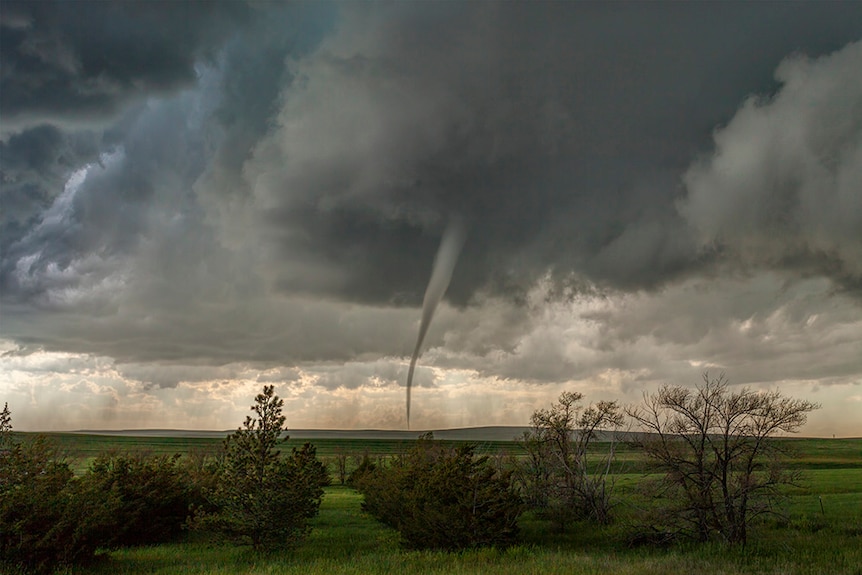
(783, 186)
(244, 188)
(83, 62)
(563, 150)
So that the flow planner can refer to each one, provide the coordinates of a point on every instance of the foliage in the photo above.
(720, 468)
(261, 498)
(557, 477)
(201, 470)
(5, 427)
(807, 540)
(364, 466)
(154, 495)
(443, 498)
(47, 518)
(347, 541)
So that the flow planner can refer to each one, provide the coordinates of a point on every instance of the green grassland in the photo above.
(821, 532)
(810, 453)
(90, 445)
(345, 540)
(82, 448)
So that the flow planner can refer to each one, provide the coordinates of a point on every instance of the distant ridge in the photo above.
(478, 434)
(488, 433)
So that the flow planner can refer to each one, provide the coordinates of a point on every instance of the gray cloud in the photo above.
(384, 372)
(34, 166)
(783, 186)
(273, 190)
(762, 329)
(75, 77)
(134, 191)
(562, 150)
(73, 63)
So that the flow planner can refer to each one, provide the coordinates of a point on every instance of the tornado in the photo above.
(441, 274)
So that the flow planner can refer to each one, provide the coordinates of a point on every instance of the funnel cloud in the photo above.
(441, 275)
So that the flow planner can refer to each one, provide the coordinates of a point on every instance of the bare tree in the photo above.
(340, 459)
(721, 467)
(558, 473)
(534, 471)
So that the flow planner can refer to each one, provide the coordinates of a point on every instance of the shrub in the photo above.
(444, 498)
(363, 468)
(154, 496)
(47, 518)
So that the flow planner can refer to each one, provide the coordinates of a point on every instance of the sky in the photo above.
(201, 198)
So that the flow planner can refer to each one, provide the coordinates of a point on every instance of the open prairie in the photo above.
(820, 532)
(82, 447)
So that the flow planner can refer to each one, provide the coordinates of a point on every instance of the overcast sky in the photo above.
(199, 198)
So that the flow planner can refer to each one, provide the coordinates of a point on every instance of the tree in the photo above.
(714, 446)
(557, 475)
(5, 425)
(340, 460)
(261, 498)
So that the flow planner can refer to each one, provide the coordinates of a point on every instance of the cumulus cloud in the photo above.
(759, 329)
(782, 188)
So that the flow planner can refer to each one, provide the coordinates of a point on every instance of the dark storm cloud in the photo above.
(559, 131)
(75, 62)
(70, 72)
(34, 165)
(317, 151)
(157, 148)
(136, 189)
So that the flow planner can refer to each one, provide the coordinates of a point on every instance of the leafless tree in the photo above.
(721, 467)
(340, 460)
(559, 471)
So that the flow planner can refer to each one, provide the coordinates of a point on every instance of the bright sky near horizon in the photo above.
(200, 198)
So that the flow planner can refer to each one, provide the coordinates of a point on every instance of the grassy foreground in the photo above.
(821, 534)
(346, 541)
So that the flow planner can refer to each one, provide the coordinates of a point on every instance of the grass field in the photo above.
(821, 533)
(87, 445)
(82, 448)
(345, 540)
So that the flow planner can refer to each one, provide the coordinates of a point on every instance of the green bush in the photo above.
(444, 498)
(154, 495)
(365, 466)
(48, 518)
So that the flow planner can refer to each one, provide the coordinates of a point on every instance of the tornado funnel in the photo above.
(441, 274)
